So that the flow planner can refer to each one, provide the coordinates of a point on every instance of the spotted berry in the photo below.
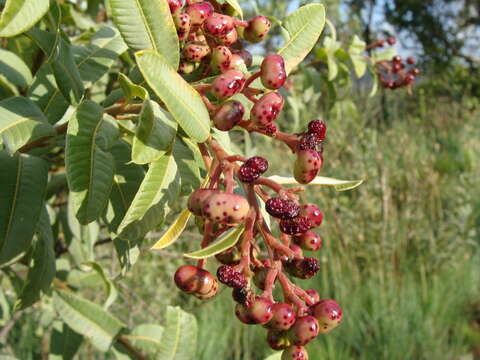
(195, 51)
(313, 213)
(187, 67)
(314, 295)
(319, 128)
(228, 84)
(309, 241)
(328, 313)
(278, 340)
(228, 115)
(247, 174)
(272, 72)
(199, 12)
(307, 166)
(283, 317)
(221, 58)
(258, 312)
(192, 279)
(302, 268)
(183, 24)
(175, 5)
(257, 29)
(258, 163)
(282, 208)
(196, 200)
(295, 353)
(226, 208)
(266, 109)
(228, 38)
(297, 225)
(218, 24)
(305, 329)
(230, 276)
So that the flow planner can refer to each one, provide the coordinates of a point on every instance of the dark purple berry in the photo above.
(258, 312)
(411, 60)
(283, 317)
(302, 268)
(228, 115)
(258, 163)
(282, 208)
(295, 353)
(415, 72)
(246, 57)
(313, 213)
(257, 28)
(267, 109)
(309, 141)
(278, 340)
(244, 296)
(409, 79)
(328, 313)
(226, 208)
(304, 330)
(397, 59)
(319, 128)
(228, 275)
(391, 41)
(307, 166)
(218, 25)
(247, 174)
(228, 84)
(273, 74)
(199, 12)
(297, 225)
(309, 241)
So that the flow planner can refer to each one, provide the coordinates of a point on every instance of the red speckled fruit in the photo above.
(278, 340)
(302, 268)
(228, 38)
(409, 79)
(226, 208)
(295, 353)
(221, 58)
(196, 201)
(267, 109)
(218, 24)
(283, 317)
(258, 312)
(319, 128)
(314, 295)
(313, 213)
(195, 51)
(228, 115)
(257, 29)
(199, 12)
(295, 226)
(309, 241)
(187, 67)
(183, 25)
(228, 84)
(304, 330)
(210, 294)
(307, 166)
(391, 41)
(273, 74)
(328, 313)
(192, 279)
(175, 5)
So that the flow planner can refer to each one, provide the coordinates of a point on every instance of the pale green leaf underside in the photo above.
(20, 15)
(222, 244)
(87, 318)
(174, 231)
(182, 101)
(339, 185)
(304, 26)
(179, 340)
(147, 25)
(89, 167)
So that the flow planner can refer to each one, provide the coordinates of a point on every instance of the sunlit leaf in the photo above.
(339, 185)
(174, 231)
(20, 15)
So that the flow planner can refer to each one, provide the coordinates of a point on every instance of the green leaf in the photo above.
(384, 55)
(63, 64)
(45, 93)
(24, 184)
(147, 24)
(42, 270)
(147, 338)
(181, 100)
(356, 51)
(87, 318)
(184, 153)
(22, 122)
(339, 185)
(89, 166)
(234, 5)
(95, 60)
(275, 356)
(174, 231)
(222, 244)
(126, 181)
(179, 340)
(155, 134)
(20, 15)
(304, 26)
(64, 342)
(130, 89)
(14, 69)
(110, 288)
(158, 190)
(331, 47)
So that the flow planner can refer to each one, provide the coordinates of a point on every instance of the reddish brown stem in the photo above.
(289, 293)
(251, 79)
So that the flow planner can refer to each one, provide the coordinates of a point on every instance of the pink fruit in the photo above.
(228, 115)
(328, 313)
(304, 330)
(273, 74)
(295, 353)
(228, 84)
(196, 201)
(313, 213)
(226, 208)
(258, 312)
(283, 317)
(195, 51)
(257, 29)
(307, 166)
(228, 38)
(221, 59)
(218, 25)
(309, 241)
(267, 109)
(192, 279)
(183, 24)
(199, 12)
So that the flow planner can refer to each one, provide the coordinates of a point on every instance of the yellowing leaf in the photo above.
(174, 231)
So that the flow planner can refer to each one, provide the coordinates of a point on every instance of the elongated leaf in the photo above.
(151, 203)
(339, 185)
(87, 318)
(179, 340)
(222, 244)
(89, 167)
(356, 51)
(155, 134)
(14, 69)
(181, 100)
(130, 89)
(24, 184)
(126, 181)
(147, 24)
(187, 165)
(304, 26)
(95, 60)
(174, 231)
(64, 342)
(20, 15)
(63, 64)
(22, 122)
(147, 338)
(274, 356)
(42, 270)
(45, 93)
(110, 288)
(384, 55)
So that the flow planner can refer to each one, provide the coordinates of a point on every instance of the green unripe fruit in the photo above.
(307, 166)
(221, 58)
(257, 29)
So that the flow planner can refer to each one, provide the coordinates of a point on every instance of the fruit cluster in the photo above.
(396, 73)
(212, 44)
